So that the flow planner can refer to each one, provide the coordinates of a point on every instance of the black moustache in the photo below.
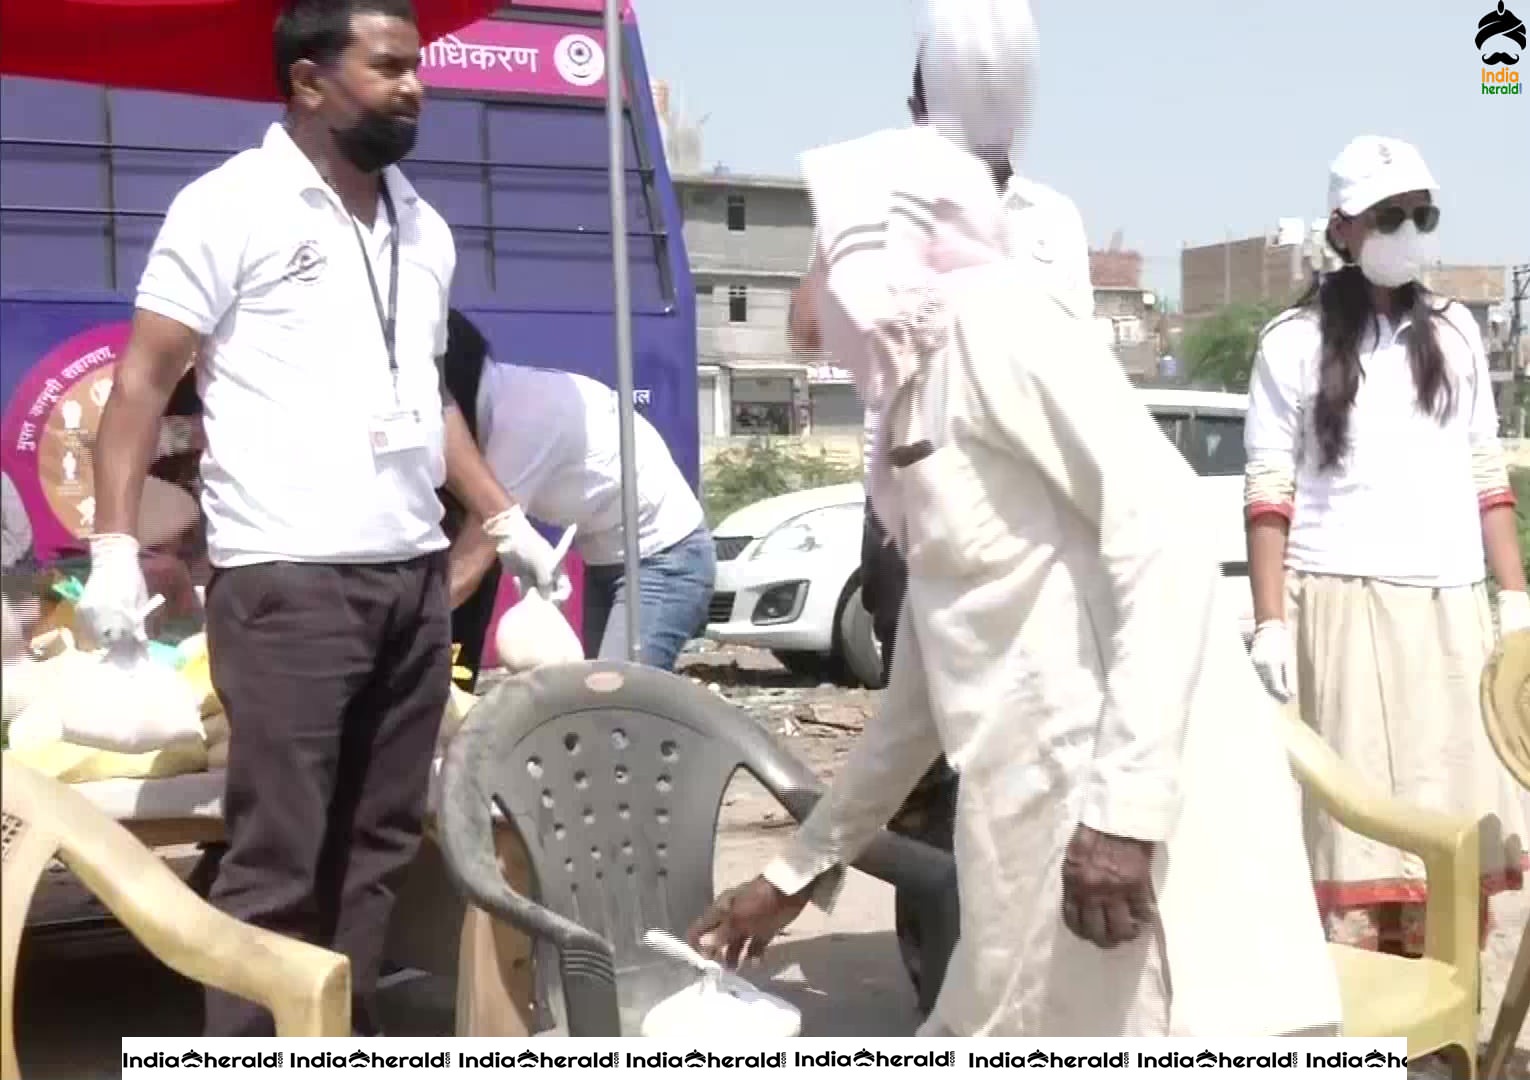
(1501, 58)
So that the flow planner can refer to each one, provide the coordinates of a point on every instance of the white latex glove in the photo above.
(1274, 657)
(1513, 612)
(116, 595)
(524, 553)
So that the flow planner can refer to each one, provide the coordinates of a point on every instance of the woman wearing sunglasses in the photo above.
(1377, 499)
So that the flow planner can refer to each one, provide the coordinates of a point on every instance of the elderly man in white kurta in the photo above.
(1126, 811)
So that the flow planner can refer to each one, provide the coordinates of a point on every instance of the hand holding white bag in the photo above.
(123, 701)
(115, 598)
(523, 551)
(534, 633)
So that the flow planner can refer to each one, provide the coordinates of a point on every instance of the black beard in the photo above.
(376, 141)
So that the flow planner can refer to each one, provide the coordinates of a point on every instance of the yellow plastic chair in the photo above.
(1431, 1001)
(307, 989)
(1506, 715)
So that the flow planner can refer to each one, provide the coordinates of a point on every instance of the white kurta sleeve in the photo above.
(1060, 402)
(883, 766)
(871, 428)
(1073, 259)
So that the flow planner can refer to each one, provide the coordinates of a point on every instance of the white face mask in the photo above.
(1392, 260)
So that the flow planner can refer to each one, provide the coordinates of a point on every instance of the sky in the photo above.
(1176, 123)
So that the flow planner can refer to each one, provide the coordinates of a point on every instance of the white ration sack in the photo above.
(534, 633)
(123, 702)
(724, 1003)
(49, 661)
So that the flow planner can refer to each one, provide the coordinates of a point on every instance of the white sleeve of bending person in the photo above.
(1054, 396)
(192, 274)
(893, 752)
(483, 408)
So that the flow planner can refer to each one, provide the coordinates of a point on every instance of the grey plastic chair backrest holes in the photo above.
(614, 774)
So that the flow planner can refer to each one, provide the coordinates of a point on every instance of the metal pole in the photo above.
(625, 391)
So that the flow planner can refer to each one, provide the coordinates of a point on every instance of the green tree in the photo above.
(1219, 349)
(766, 467)
(1519, 479)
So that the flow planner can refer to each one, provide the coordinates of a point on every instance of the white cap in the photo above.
(978, 60)
(1373, 168)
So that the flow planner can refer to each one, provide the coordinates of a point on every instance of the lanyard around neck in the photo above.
(387, 318)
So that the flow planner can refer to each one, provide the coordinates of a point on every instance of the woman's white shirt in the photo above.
(1402, 505)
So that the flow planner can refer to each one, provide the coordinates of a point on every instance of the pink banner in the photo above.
(503, 57)
(48, 429)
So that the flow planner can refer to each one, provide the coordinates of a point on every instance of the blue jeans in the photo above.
(674, 590)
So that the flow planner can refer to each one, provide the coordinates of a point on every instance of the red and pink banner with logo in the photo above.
(503, 57)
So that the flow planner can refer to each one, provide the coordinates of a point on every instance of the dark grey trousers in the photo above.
(334, 679)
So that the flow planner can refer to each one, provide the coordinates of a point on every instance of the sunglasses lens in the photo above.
(1426, 218)
(1389, 219)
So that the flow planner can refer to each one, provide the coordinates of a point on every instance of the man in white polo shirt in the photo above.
(551, 439)
(310, 280)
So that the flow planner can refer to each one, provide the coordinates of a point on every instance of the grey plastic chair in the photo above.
(614, 774)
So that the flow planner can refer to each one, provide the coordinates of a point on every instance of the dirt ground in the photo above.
(79, 997)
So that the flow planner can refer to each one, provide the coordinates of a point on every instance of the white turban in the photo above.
(978, 59)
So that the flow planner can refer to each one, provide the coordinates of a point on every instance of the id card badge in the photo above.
(397, 431)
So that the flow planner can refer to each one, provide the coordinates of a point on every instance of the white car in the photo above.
(788, 568)
(789, 580)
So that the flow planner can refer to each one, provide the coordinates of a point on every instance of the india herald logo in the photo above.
(1500, 23)
(1500, 39)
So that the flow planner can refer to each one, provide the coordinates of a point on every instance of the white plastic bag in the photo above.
(49, 661)
(534, 633)
(722, 1003)
(718, 1001)
(123, 702)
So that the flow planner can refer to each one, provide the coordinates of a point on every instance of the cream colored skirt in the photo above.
(1390, 675)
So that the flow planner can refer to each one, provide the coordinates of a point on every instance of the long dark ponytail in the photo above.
(1344, 302)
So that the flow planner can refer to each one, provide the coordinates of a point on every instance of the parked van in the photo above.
(512, 152)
